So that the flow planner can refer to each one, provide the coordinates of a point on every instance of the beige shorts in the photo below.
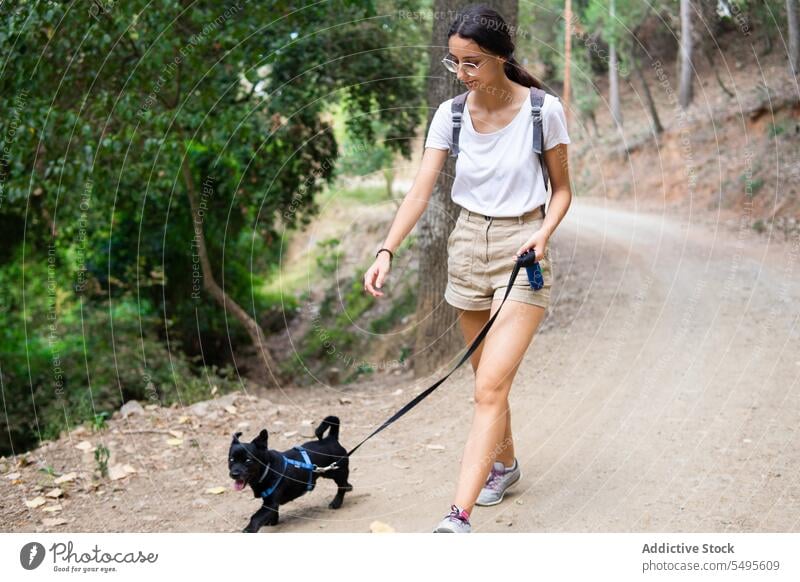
(480, 258)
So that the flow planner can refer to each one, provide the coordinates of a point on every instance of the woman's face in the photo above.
(490, 67)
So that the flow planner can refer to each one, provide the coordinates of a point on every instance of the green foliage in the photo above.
(328, 254)
(112, 114)
(101, 457)
(400, 308)
(775, 129)
(98, 422)
(80, 363)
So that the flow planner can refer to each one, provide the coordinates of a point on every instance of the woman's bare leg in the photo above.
(501, 353)
(471, 324)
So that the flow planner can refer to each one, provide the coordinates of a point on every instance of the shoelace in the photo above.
(494, 479)
(455, 513)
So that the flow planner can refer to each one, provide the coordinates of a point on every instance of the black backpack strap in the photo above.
(537, 102)
(457, 111)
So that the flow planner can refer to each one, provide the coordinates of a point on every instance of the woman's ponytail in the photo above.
(519, 74)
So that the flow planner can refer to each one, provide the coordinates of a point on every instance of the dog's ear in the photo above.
(235, 440)
(261, 439)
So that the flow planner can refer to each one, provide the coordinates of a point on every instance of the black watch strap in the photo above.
(391, 254)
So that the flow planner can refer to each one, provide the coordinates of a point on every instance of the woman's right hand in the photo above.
(376, 274)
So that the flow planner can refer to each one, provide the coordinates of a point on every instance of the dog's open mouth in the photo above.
(238, 484)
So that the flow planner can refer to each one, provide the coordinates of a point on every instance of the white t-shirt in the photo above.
(497, 173)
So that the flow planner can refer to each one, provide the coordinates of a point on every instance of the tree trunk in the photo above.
(651, 104)
(568, 61)
(685, 92)
(613, 72)
(388, 175)
(710, 58)
(210, 284)
(438, 335)
(794, 40)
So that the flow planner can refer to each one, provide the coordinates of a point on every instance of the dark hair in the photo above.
(486, 27)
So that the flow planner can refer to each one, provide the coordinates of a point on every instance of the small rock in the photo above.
(199, 409)
(54, 493)
(397, 392)
(13, 476)
(120, 471)
(183, 419)
(344, 400)
(53, 522)
(130, 408)
(69, 477)
(380, 527)
(174, 442)
(151, 407)
(231, 409)
(243, 424)
(52, 508)
(435, 447)
(85, 446)
(290, 434)
(216, 490)
(35, 502)
(176, 433)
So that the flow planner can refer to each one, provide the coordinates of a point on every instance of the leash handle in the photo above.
(522, 260)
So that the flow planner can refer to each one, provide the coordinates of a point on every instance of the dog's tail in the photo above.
(331, 422)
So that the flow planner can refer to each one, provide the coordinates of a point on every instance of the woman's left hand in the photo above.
(537, 241)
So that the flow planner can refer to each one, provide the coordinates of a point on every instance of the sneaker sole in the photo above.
(503, 494)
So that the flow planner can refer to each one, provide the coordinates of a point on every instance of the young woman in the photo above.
(499, 185)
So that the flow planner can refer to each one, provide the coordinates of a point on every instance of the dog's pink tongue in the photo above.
(238, 485)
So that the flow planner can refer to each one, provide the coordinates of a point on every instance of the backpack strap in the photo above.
(537, 101)
(457, 111)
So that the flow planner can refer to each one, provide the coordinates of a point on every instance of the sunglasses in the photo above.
(471, 69)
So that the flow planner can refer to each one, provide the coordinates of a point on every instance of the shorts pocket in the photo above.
(459, 253)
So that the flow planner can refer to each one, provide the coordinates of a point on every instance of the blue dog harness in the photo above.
(304, 464)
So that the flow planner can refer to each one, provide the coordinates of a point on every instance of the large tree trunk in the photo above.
(685, 92)
(568, 61)
(794, 39)
(438, 335)
(613, 72)
(212, 287)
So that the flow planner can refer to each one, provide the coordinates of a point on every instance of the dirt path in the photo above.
(661, 394)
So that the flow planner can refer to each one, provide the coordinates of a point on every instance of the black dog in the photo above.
(274, 477)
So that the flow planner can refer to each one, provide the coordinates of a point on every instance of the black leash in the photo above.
(527, 259)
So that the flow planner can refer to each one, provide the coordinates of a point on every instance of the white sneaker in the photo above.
(499, 481)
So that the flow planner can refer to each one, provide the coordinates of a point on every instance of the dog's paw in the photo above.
(335, 504)
(250, 529)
